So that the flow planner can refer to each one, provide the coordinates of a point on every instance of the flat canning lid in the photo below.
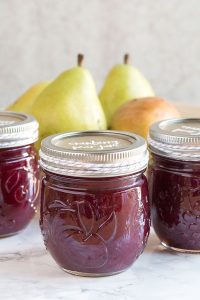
(17, 129)
(176, 138)
(94, 153)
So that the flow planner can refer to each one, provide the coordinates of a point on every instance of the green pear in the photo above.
(26, 100)
(123, 83)
(69, 103)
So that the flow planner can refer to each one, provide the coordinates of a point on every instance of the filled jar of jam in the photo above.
(95, 214)
(174, 183)
(19, 172)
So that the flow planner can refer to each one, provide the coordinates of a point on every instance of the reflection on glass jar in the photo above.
(19, 173)
(174, 183)
(94, 216)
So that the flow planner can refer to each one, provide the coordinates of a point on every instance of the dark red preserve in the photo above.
(174, 183)
(94, 211)
(19, 176)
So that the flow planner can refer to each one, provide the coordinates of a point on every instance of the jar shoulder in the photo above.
(115, 183)
(171, 165)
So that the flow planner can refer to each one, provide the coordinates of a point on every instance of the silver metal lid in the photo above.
(176, 138)
(17, 129)
(94, 153)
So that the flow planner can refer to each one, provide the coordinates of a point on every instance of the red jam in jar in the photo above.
(19, 172)
(174, 183)
(95, 215)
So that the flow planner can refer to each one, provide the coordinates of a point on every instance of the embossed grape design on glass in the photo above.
(174, 183)
(94, 211)
(19, 172)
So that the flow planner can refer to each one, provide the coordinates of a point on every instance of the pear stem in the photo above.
(80, 59)
(126, 59)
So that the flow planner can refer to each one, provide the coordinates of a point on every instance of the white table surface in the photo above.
(28, 272)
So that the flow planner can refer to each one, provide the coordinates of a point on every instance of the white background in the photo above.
(40, 38)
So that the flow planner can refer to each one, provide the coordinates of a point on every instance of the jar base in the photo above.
(179, 249)
(83, 274)
(9, 234)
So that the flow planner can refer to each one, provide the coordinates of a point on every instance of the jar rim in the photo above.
(94, 153)
(17, 129)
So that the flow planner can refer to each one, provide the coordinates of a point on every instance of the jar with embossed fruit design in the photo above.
(174, 183)
(19, 172)
(95, 214)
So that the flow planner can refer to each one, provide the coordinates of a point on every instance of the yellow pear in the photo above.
(123, 83)
(69, 103)
(26, 100)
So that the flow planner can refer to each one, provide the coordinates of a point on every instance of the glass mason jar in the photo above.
(95, 214)
(19, 172)
(174, 183)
